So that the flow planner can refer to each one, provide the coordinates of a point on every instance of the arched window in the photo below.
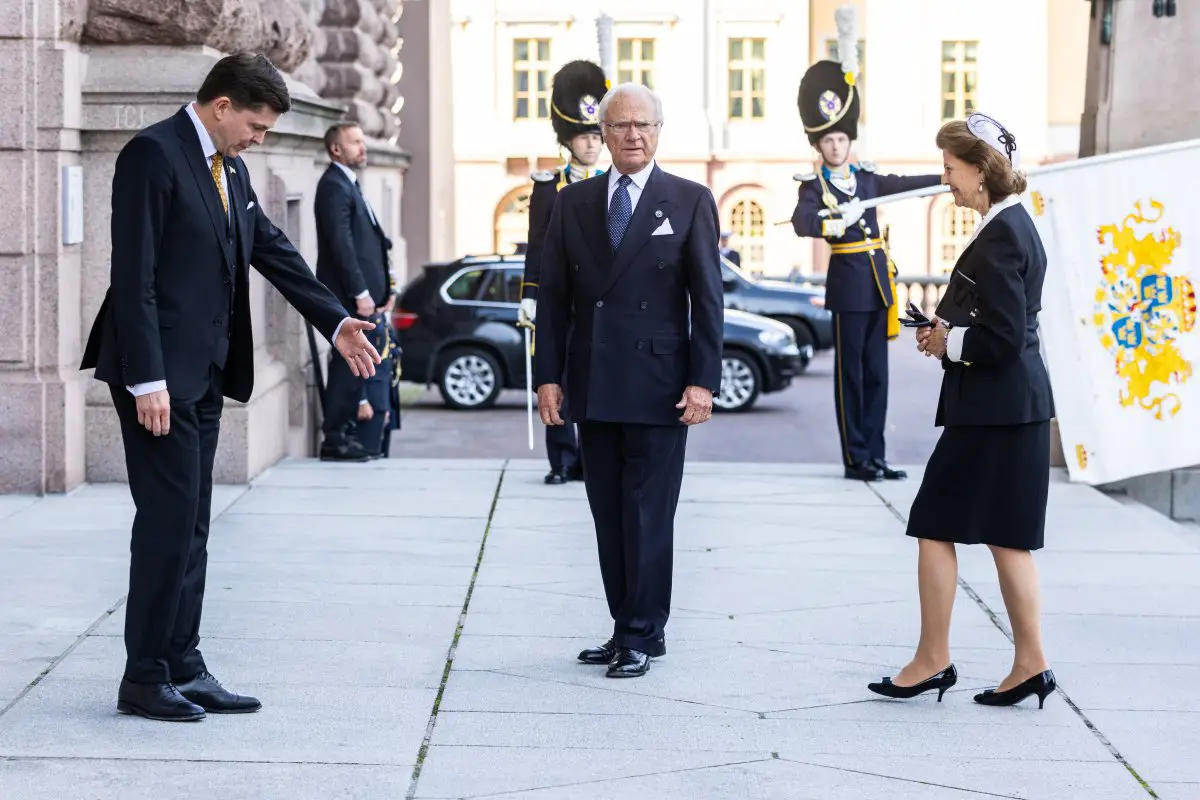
(512, 220)
(955, 226)
(749, 231)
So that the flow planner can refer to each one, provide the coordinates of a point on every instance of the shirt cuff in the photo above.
(139, 389)
(363, 295)
(363, 402)
(954, 343)
(337, 330)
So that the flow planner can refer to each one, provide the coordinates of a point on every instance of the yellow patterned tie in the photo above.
(218, 162)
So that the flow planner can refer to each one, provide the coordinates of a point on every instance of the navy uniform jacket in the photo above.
(351, 249)
(856, 281)
(1001, 379)
(179, 299)
(617, 325)
(541, 203)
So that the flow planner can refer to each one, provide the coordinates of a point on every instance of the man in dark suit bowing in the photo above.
(631, 310)
(172, 339)
(352, 261)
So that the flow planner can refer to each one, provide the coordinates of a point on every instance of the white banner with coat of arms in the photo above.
(1118, 320)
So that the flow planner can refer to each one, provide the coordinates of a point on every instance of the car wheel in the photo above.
(741, 382)
(469, 379)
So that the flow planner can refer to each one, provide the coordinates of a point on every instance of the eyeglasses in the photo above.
(622, 127)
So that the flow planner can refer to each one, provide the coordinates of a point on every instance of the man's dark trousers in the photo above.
(860, 383)
(170, 478)
(632, 474)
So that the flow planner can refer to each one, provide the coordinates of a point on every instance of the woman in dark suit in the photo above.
(988, 477)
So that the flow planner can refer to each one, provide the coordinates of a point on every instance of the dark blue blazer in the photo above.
(856, 281)
(996, 287)
(618, 324)
(179, 295)
(351, 249)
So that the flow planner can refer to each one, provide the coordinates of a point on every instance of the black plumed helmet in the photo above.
(828, 102)
(575, 100)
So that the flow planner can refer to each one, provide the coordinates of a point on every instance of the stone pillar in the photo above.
(41, 389)
(127, 88)
(1141, 71)
(80, 77)
(427, 131)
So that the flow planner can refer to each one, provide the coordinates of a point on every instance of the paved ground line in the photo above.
(462, 618)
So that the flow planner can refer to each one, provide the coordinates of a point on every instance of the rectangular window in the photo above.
(860, 84)
(960, 79)
(635, 61)
(747, 78)
(531, 78)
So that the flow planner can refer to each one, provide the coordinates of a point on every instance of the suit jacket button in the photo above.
(643, 305)
(640, 345)
(599, 304)
(217, 322)
(577, 268)
(661, 265)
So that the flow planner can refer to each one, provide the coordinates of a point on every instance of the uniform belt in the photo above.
(858, 247)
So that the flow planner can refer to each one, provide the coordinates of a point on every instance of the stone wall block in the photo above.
(341, 13)
(154, 21)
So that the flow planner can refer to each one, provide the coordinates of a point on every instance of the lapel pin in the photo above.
(658, 214)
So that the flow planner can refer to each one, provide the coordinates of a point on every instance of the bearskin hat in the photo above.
(575, 100)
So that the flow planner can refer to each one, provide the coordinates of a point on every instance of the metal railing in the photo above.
(924, 290)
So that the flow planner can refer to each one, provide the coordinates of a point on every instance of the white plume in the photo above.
(847, 26)
(605, 41)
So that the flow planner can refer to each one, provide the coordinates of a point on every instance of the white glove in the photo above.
(853, 212)
(528, 311)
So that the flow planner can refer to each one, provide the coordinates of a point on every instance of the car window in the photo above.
(466, 286)
(512, 285)
(493, 287)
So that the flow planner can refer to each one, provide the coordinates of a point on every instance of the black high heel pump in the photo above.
(1042, 684)
(942, 681)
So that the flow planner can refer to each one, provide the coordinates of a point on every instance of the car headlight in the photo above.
(775, 339)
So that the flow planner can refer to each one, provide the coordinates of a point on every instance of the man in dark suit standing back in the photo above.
(352, 261)
(172, 339)
(631, 311)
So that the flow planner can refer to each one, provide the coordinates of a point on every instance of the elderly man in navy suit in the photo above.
(630, 310)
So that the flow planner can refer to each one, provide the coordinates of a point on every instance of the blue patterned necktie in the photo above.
(619, 212)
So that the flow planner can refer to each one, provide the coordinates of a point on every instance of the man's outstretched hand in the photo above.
(359, 353)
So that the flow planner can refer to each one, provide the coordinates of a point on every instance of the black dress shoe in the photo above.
(890, 473)
(347, 451)
(556, 477)
(599, 655)
(1042, 684)
(159, 701)
(941, 682)
(629, 664)
(864, 472)
(206, 691)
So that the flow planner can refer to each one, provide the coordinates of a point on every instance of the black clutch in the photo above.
(960, 305)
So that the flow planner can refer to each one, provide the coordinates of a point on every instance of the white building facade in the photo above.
(728, 72)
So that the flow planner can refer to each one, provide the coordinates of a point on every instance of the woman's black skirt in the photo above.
(986, 485)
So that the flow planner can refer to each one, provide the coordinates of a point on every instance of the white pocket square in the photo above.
(250, 205)
(664, 229)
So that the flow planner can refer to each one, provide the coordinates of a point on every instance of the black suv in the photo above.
(457, 324)
(802, 308)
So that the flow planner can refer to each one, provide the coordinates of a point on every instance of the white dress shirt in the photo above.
(634, 188)
(209, 148)
(954, 338)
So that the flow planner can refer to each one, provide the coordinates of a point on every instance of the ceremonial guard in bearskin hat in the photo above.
(860, 285)
(574, 113)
